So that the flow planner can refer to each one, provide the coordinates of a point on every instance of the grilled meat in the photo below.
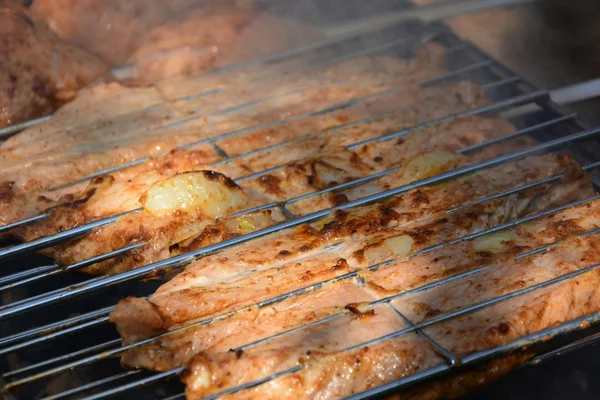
(209, 289)
(295, 179)
(330, 373)
(182, 37)
(38, 71)
(179, 47)
(121, 191)
(254, 324)
(359, 239)
(283, 74)
(112, 29)
(56, 156)
(75, 151)
(19, 204)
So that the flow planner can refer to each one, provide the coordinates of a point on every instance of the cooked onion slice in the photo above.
(206, 192)
(400, 245)
(495, 242)
(425, 165)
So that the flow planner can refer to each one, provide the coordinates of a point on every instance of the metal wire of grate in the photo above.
(507, 90)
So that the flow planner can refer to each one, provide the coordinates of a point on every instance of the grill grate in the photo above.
(29, 327)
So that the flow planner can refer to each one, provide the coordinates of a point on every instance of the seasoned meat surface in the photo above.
(306, 256)
(38, 72)
(328, 373)
(114, 195)
(162, 39)
(112, 29)
(201, 42)
(329, 304)
(335, 374)
(108, 125)
(360, 238)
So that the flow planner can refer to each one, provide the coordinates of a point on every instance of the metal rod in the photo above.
(141, 382)
(48, 241)
(522, 132)
(27, 273)
(91, 385)
(53, 327)
(66, 330)
(11, 226)
(65, 357)
(52, 270)
(568, 348)
(14, 128)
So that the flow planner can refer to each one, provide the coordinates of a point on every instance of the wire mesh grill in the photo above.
(55, 323)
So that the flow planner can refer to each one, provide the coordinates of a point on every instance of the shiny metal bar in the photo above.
(445, 353)
(66, 357)
(8, 227)
(12, 129)
(52, 270)
(48, 241)
(519, 133)
(568, 348)
(27, 273)
(64, 330)
(142, 382)
(91, 385)
(45, 330)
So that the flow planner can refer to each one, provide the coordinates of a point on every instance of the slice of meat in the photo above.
(313, 100)
(430, 57)
(408, 106)
(358, 238)
(179, 46)
(256, 324)
(182, 37)
(246, 326)
(113, 29)
(108, 125)
(405, 275)
(339, 374)
(179, 233)
(342, 373)
(225, 370)
(39, 71)
(295, 180)
(464, 131)
(173, 210)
